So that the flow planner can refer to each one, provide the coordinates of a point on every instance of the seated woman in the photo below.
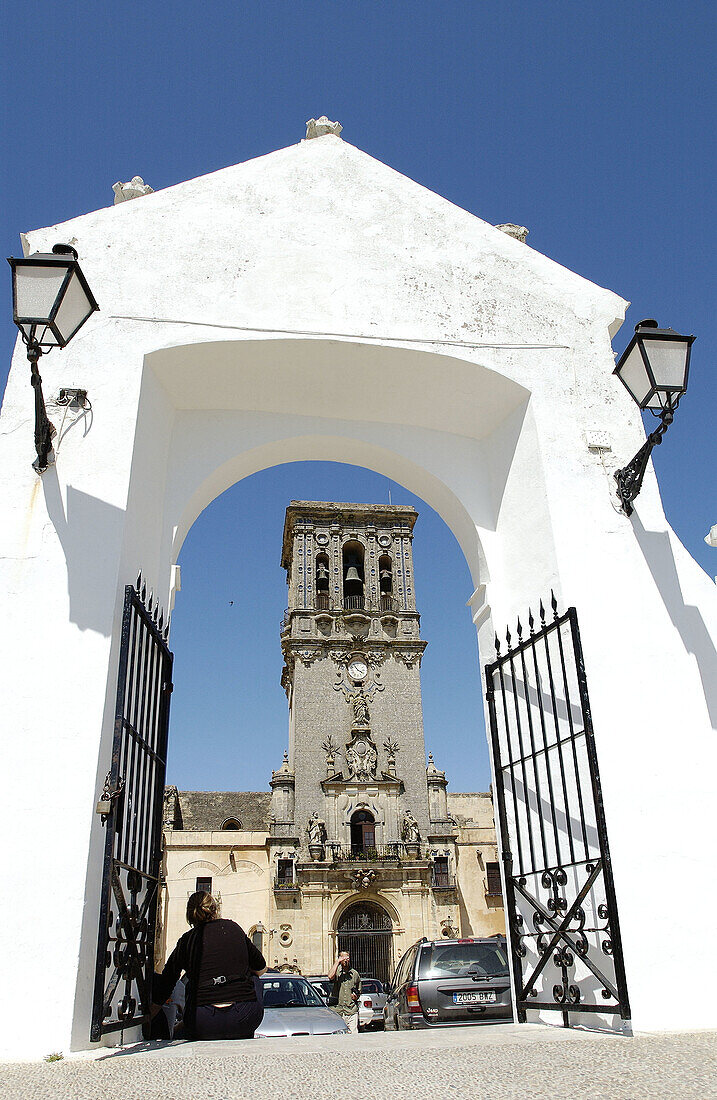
(220, 962)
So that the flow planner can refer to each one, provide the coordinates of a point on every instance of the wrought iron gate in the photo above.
(365, 931)
(131, 807)
(560, 897)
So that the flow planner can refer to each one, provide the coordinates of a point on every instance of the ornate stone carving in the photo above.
(449, 928)
(361, 757)
(340, 656)
(409, 830)
(132, 190)
(308, 656)
(362, 880)
(376, 657)
(518, 232)
(332, 751)
(316, 829)
(409, 656)
(317, 127)
(362, 715)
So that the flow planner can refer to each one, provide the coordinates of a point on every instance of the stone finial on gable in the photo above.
(131, 190)
(518, 232)
(317, 127)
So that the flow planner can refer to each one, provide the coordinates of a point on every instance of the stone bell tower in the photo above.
(352, 650)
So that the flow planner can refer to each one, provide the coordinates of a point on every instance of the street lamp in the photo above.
(653, 369)
(50, 302)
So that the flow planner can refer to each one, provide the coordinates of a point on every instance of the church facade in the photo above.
(359, 846)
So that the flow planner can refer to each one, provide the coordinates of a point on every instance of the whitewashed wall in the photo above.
(313, 304)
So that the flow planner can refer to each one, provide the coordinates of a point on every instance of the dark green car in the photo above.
(443, 982)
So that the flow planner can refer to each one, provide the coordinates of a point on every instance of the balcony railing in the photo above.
(389, 603)
(444, 882)
(285, 886)
(323, 601)
(354, 603)
(378, 853)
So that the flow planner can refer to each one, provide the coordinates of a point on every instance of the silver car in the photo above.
(371, 1003)
(293, 1007)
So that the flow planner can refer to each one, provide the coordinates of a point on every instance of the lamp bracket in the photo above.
(629, 479)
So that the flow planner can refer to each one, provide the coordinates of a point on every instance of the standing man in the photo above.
(347, 987)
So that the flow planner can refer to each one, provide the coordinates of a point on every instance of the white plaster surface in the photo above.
(314, 304)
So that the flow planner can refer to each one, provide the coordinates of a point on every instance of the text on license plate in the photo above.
(473, 998)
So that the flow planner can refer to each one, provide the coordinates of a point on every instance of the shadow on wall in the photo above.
(89, 532)
(686, 618)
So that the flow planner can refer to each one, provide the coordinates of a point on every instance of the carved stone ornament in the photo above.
(361, 757)
(449, 929)
(317, 127)
(132, 190)
(409, 656)
(362, 880)
(340, 656)
(376, 657)
(308, 656)
(316, 829)
(409, 830)
(517, 232)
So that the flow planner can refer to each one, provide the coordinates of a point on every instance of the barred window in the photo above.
(204, 884)
(493, 883)
(440, 871)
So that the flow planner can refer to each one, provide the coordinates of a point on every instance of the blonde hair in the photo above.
(201, 908)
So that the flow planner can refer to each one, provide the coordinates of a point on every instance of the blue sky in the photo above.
(592, 124)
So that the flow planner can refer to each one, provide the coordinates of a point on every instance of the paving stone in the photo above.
(506, 1062)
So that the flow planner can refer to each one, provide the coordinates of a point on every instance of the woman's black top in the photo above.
(218, 958)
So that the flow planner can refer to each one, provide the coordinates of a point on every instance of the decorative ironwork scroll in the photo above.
(365, 931)
(131, 807)
(559, 891)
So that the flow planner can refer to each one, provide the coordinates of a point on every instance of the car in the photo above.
(293, 1007)
(323, 986)
(440, 983)
(371, 1003)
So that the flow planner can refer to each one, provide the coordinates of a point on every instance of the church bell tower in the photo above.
(352, 649)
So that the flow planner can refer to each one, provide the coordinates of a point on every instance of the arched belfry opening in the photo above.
(353, 575)
(365, 930)
(323, 599)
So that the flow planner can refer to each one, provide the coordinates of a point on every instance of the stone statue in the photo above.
(409, 831)
(362, 716)
(316, 830)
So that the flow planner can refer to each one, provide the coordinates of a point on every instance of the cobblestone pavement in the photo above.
(479, 1063)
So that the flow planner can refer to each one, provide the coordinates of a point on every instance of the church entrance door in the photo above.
(365, 931)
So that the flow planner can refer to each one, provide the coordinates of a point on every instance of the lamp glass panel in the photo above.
(74, 309)
(36, 289)
(668, 359)
(44, 335)
(634, 374)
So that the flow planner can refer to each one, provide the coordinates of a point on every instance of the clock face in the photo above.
(358, 669)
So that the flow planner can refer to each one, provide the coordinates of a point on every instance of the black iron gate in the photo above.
(365, 931)
(560, 897)
(131, 807)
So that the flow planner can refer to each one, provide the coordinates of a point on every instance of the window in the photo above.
(441, 871)
(204, 884)
(256, 936)
(493, 887)
(285, 872)
(232, 823)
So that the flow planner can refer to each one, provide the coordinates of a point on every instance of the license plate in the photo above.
(473, 998)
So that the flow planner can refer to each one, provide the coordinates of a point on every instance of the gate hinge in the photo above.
(108, 796)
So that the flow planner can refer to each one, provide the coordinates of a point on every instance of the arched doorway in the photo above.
(365, 931)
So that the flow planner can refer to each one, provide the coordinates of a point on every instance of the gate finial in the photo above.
(554, 603)
(531, 621)
(542, 613)
(497, 646)
(520, 630)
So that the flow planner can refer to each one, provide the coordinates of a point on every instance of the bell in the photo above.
(352, 574)
(322, 577)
